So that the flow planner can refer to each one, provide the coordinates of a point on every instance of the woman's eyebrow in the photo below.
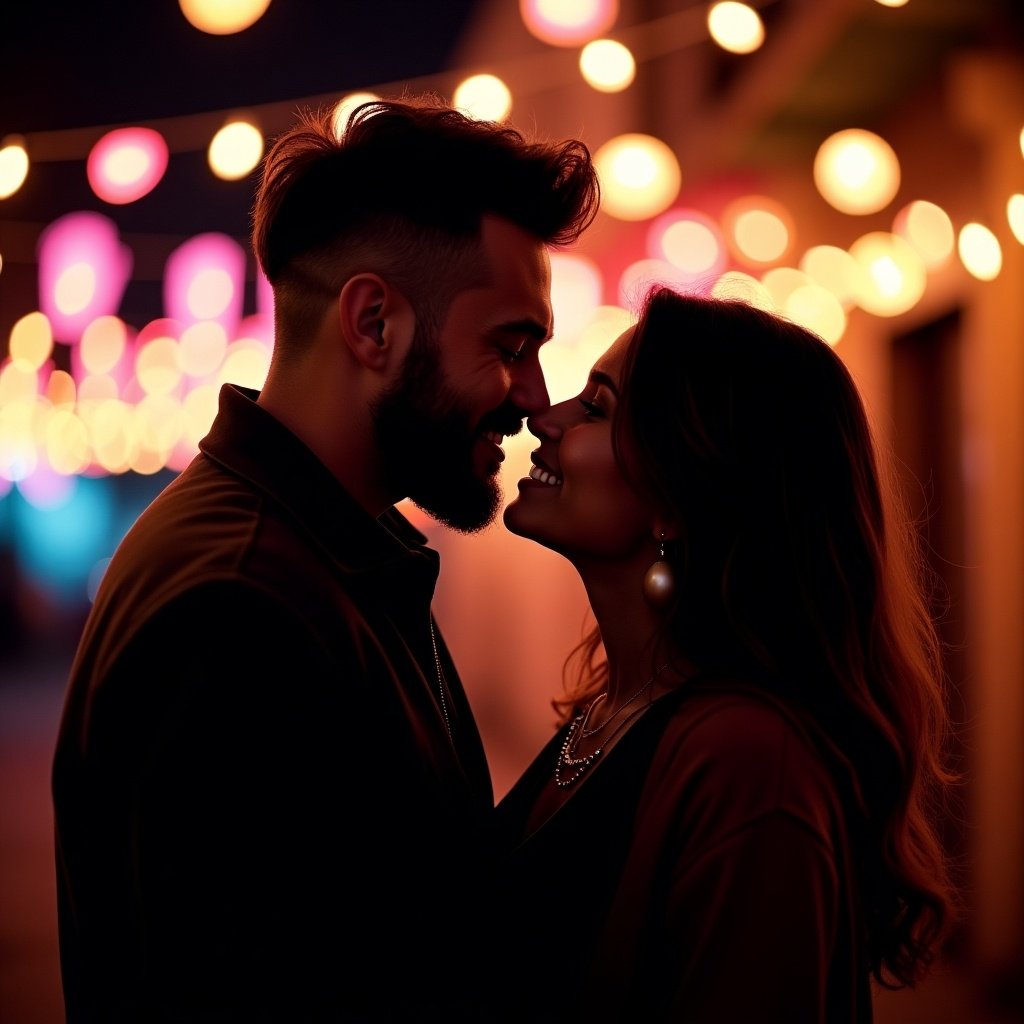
(600, 377)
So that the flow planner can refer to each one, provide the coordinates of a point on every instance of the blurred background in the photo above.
(855, 165)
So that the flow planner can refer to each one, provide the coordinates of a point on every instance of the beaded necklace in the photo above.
(567, 754)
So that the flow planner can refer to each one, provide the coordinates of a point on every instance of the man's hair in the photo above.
(401, 192)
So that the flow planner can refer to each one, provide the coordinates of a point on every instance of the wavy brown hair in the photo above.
(798, 571)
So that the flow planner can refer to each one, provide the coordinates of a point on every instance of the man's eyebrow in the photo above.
(600, 377)
(531, 328)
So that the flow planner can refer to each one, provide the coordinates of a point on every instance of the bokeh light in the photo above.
(344, 107)
(83, 271)
(568, 22)
(781, 282)
(739, 286)
(576, 290)
(835, 269)
(483, 97)
(235, 150)
(126, 164)
(13, 166)
(980, 251)
(928, 228)
(639, 174)
(758, 229)
(204, 279)
(642, 275)
(607, 65)
(1015, 215)
(894, 275)
(818, 310)
(31, 341)
(736, 27)
(856, 171)
(223, 17)
(689, 240)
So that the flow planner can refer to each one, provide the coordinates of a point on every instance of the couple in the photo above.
(272, 801)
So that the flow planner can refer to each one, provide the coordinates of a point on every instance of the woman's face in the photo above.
(576, 499)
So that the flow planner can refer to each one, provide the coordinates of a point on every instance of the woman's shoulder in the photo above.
(745, 750)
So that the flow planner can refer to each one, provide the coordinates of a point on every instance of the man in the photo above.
(271, 797)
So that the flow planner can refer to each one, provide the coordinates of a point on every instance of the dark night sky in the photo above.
(78, 65)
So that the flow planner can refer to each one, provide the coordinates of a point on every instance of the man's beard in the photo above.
(425, 439)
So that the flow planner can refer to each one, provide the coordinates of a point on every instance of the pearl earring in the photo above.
(660, 580)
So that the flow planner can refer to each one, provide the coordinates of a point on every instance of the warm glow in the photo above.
(639, 277)
(126, 164)
(83, 271)
(344, 107)
(894, 275)
(483, 97)
(201, 348)
(857, 171)
(235, 150)
(199, 410)
(735, 27)
(159, 423)
(31, 341)
(781, 282)
(13, 167)
(690, 241)
(103, 344)
(61, 390)
(758, 229)
(639, 175)
(928, 229)
(607, 65)
(156, 366)
(835, 269)
(75, 288)
(568, 22)
(818, 310)
(204, 279)
(246, 363)
(209, 293)
(576, 288)
(1015, 215)
(566, 367)
(67, 442)
(892, 3)
(223, 17)
(110, 434)
(980, 251)
(739, 286)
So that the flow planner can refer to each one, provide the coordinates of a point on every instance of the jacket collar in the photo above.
(250, 443)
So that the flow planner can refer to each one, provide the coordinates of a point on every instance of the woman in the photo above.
(733, 823)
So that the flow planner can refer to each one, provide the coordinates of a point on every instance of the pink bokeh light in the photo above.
(204, 279)
(83, 271)
(126, 164)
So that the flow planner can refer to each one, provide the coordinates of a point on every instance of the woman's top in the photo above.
(702, 871)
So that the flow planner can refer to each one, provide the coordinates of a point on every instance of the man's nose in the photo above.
(529, 391)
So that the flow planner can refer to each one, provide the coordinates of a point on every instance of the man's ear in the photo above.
(376, 321)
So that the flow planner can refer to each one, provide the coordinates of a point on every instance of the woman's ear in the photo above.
(376, 322)
(664, 528)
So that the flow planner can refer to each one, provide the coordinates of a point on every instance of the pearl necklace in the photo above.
(567, 754)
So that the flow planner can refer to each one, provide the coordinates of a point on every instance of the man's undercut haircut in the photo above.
(401, 192)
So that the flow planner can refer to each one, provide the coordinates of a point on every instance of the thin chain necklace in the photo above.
(440, 682)
(567, 758)
(602, 697)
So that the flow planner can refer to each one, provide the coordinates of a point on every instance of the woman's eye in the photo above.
(591, 408)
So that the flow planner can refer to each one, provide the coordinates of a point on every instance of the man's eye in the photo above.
(511, 355)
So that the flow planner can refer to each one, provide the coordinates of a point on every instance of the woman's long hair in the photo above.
(798, 571)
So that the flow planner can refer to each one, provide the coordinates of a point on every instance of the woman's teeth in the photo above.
(544, 477)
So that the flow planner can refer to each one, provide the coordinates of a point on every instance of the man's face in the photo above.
(439, 428)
